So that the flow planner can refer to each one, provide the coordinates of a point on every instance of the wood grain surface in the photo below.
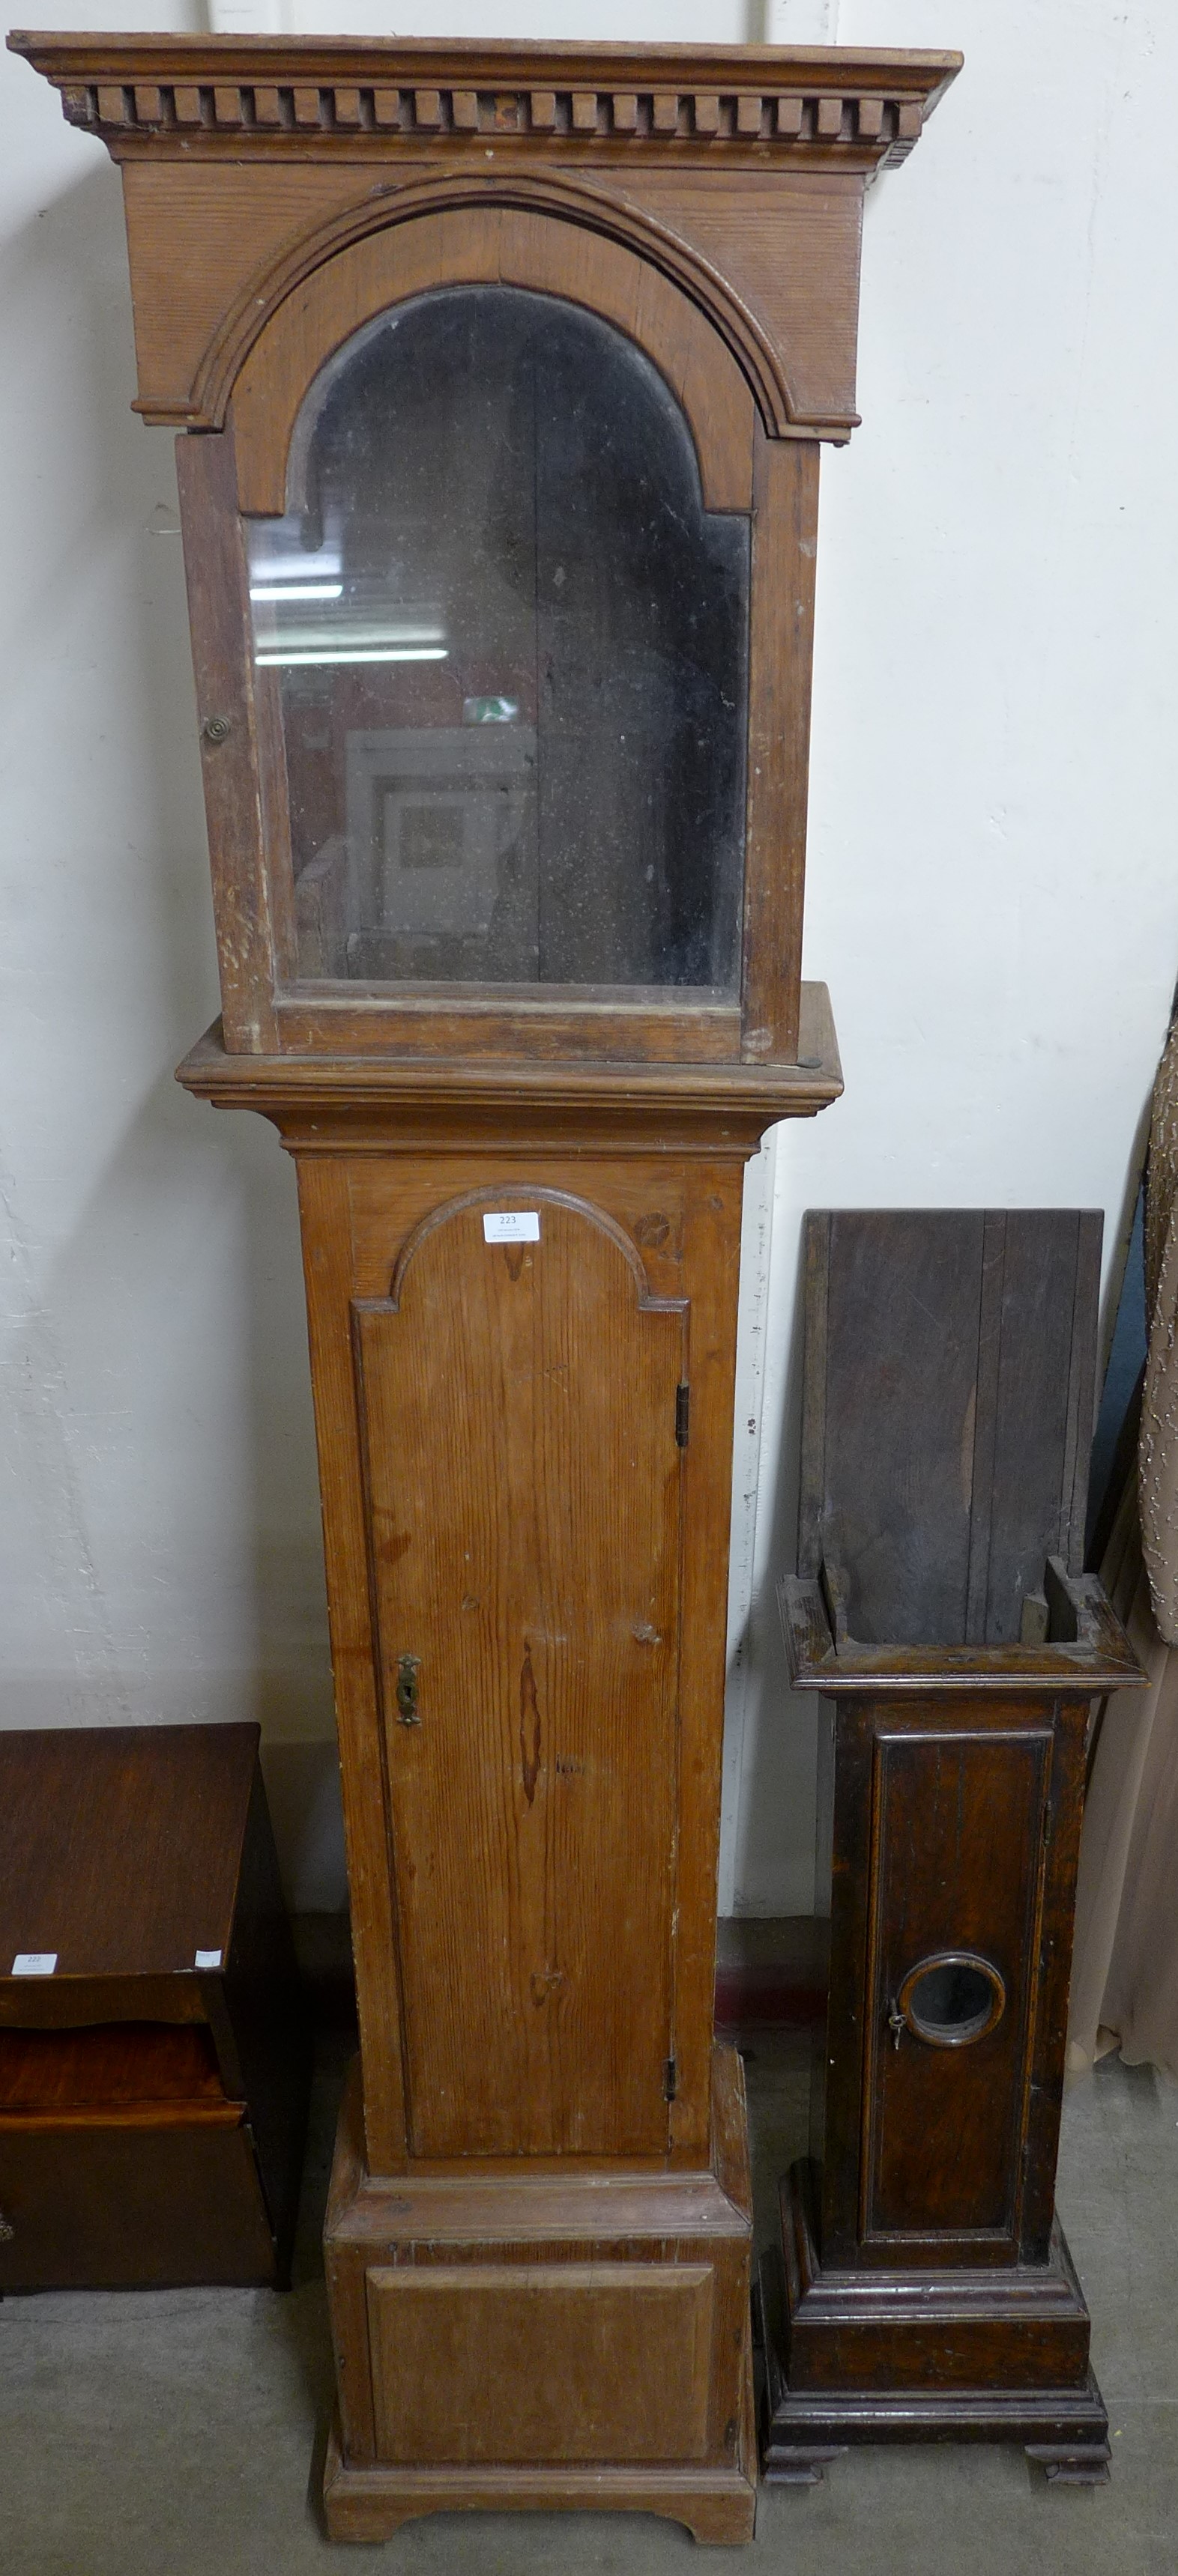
(501, 2336)
(125, 2204)
(132, 2069)
(232, 777)
(738, 172)
(152, 2110)
(924, 2289)
(957, 1864)
(781, 644)
(442, 2334)
(120, 1846)
(530, 1561)
(493, 245)
(948, 1413)
(373, 1103)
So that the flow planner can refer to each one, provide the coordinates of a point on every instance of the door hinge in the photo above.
(1045, 1825)
(670, 2080)
(682, 1413)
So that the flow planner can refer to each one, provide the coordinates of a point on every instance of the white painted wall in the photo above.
(993, 890)
(993, 874)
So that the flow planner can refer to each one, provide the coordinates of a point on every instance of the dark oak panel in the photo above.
(114, 2205)
(948, 1413)
(119, 1847)
(956, 1867)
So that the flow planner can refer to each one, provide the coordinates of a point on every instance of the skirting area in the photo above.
(183, 2433)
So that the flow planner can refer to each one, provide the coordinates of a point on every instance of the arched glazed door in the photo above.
(502, 605)
(509, 647)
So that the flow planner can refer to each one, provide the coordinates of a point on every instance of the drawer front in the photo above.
(110, 2206)
(540, 2361)
(956, 1876)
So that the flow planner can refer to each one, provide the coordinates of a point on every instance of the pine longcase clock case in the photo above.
(502, 375)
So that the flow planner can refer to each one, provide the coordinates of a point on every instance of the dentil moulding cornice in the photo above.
(738, 172)
(275, 93)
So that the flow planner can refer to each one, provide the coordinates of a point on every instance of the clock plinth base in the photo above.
(998, 2354)
(511, 2340)
(370, 2503)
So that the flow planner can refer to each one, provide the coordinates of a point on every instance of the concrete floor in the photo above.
(179, 2433)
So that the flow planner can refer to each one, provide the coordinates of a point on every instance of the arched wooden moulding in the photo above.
(535, 1195)
(501, 245)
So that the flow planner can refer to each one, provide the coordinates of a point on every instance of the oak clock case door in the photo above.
(524, 1516)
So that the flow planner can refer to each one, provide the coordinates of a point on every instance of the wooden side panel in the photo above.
(1051, 1969)
(710, 1278)
(956, 1866)
(523, 1504)
(540, 2361)
(218, 613)
(812, 1478)
(327, 1267)
(781, 647)
(841, 2147)
(263, 2016)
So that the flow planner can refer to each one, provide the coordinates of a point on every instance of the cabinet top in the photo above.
(161, 94)
(120, 1851)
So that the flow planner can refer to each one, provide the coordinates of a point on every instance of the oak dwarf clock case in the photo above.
(503, 373)
(925, 2290)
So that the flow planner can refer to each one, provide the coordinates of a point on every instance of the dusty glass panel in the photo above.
(509, 650)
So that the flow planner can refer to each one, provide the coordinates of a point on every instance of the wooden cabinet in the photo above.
(154, 2077)
(510, 367)
(925, 2289)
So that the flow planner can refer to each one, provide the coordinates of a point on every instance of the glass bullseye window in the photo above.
(506, 647)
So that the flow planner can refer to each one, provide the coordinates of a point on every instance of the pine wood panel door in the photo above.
(521, 1422)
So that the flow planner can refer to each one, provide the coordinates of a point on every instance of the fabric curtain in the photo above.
(1125, 1970)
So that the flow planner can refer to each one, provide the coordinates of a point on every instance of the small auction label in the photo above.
(208, 1958)
(515, 1225)
(34, 1963)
